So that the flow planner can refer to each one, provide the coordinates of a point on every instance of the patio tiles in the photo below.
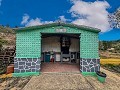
(59, 67)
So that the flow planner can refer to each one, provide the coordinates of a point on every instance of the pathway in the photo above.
(72, 81)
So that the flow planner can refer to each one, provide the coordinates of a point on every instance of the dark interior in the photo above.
(65, 40)
(65, 43)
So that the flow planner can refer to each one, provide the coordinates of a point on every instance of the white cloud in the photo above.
(34, 22)
(27, 21)
(63, 19)
(47, 22)
(0, 2)
(92, 14)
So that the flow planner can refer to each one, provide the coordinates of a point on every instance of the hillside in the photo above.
(6, 30)
(7, 36)
(114, 46)
(109, 49)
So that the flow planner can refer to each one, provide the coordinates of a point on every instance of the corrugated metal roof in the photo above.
(59, 24)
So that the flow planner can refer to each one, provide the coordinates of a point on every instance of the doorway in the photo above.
(60, 47)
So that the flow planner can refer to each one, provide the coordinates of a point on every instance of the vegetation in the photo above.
(110, 61)
(112, 46)
(112, 67)
(2, 41)
(6, 29)
(114, 19)
(7, 36)
(0, 46)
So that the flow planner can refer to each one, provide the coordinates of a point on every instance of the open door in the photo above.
(65, 44)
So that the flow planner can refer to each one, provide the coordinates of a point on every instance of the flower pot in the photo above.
(11, 65)
(10, 69)
(101, 76)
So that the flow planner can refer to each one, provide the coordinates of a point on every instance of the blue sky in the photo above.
(36, 12)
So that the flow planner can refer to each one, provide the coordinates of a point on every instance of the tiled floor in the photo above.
(59, 67)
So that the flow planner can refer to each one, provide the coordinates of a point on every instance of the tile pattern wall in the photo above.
(26, 65)
(28, 43)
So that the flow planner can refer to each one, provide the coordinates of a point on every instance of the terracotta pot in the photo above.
(10, 69)
(11, 65)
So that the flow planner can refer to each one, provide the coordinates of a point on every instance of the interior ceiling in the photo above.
(61, 35)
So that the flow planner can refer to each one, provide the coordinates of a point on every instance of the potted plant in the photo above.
(101, 76)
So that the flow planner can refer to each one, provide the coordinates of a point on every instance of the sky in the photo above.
(93, 13)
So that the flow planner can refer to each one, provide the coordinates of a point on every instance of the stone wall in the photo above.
(89, 65)
(26, 65)
(33, 65)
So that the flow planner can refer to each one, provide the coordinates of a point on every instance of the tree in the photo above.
(114, 19)
(16, 26)
(7, 25)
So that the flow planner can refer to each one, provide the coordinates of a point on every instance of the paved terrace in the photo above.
(70, 80)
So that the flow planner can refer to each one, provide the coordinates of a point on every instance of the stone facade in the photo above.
(33, 65)
(26, 65)
(89, 65)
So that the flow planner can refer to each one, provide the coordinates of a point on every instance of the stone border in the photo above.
(22, 65)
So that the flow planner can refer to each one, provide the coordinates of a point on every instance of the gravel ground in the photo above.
(14, 83)
(61, 81)
(112, 81)
(72, 81)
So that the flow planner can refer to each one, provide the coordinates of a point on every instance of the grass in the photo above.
(5, 75)
(112, 67)
(110, 61)
(111, 64)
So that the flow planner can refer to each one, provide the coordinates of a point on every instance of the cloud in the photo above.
(0, 2)
(34, 22)
(63, 19)
(92, 14)
(27, 21)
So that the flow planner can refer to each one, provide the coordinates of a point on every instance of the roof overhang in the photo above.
(60, 24)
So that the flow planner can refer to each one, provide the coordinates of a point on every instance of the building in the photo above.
(57, 42)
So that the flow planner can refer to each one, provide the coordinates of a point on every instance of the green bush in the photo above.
(3, 41)
(0, 46)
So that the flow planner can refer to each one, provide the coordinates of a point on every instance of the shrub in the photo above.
(112, 67)
(0, 46)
